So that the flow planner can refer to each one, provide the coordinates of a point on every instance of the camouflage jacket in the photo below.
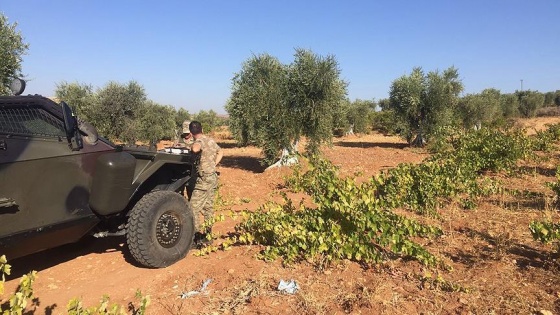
(209, 150)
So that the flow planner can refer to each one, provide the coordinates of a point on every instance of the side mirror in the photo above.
(17, 86)
(71, 125)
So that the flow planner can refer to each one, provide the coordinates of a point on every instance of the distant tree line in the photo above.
(422, 103)
(123, 112)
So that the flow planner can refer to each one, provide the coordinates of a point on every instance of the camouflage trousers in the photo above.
(202, 199)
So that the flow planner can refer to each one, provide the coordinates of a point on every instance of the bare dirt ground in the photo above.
(494, 260)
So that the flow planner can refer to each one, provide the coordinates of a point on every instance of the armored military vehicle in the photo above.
(59, 182)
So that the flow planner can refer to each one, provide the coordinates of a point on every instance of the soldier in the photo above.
(184, 139)
(186, 135)
(202, 199)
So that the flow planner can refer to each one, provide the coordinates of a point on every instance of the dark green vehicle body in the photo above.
(57, 184)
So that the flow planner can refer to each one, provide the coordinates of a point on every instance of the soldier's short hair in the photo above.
(195, 127)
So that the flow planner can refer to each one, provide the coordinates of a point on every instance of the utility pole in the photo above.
(521, 85)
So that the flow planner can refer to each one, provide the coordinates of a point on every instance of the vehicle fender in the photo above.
(111, 186)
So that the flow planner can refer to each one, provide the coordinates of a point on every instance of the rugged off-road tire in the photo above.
(160, 229)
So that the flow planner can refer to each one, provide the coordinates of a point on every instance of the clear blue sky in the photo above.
(185, 53)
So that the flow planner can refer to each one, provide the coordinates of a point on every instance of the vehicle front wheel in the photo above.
(160, 229)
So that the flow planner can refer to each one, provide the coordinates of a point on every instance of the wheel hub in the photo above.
(168, 229)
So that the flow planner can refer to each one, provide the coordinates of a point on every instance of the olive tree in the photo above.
(481, 108)
(12, 48)
(424, 102)
(117, 108)
(181, 115)
(549, 99)
(529, 102)
(156, 122)
(355, 116)
(80, 96)
(360, 114)
(209, 120)
(509, 104)
(314, 93)
(557, 97)
(385, 120)
(258, 106)
(273, 105)
(123, 112)
(152, 122)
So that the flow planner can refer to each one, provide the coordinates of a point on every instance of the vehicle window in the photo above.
(31, 122)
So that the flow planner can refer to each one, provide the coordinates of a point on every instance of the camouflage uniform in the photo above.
(202, 199)
(187, 142)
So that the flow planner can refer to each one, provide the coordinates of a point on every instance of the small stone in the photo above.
(545, 312)
(230, 271)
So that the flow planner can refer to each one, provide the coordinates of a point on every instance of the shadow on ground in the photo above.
(367, 145)
(34, 307)
(52, 257)
(498, 246)
(227, 145)
(242, 162)
(549, 172)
